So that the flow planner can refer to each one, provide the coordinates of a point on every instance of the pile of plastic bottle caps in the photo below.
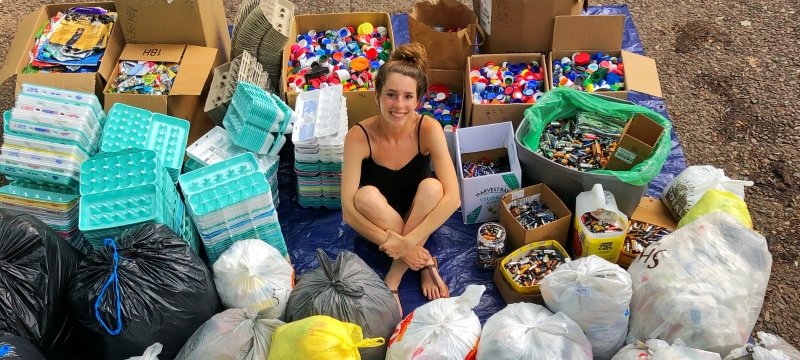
(318, 138)
(257, 120)
(229, 201)
(47, 137)
(132, 180)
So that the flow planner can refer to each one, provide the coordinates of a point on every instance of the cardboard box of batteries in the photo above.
(649, 214)
(526, 222)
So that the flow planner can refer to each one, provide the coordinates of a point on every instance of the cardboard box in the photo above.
(190, 84)
(482, 114)
(360, 104)
(182, 22)
(520, 25)
(18, 56)
(650, 211)
(518, 236)
(509, 295)
(637, 142)
(449, 14)
(604, 33)
(454, 80)
(480, 196)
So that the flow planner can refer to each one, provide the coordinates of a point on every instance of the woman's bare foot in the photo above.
(433, 286)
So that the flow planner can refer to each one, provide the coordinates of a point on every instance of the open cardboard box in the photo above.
(186, 95)
(603, 33)
(449, 14)
(520, 25)
(360, 104)
(636, 144)
(482, 114)
(18, 56)
(454, 80)
(650, 211)
(519, 236)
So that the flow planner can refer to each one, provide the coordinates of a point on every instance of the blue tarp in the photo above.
(454, 243)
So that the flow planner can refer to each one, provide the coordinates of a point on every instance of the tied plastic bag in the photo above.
(35, 267)
(147, 286)
(686, 189)
(348, 290)
(596, 294)
(605, 235)
(318, 338)
(655, 349)
(151, 353)
(767, 347)
(704, 283)
(234, 334)
(525, 331)
(13, 347)
(719, 200)
(252, 274)
(441, 329)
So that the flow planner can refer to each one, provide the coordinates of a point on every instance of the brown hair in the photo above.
(410, 60)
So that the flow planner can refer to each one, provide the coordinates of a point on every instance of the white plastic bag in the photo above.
(767, 347)
(252, 274)
(151, 353)
(602, 206)
(655, 349)
(234, 334)
(441, 329)
(704, 283)
(596, 294)
(688, 187)
(525, 331)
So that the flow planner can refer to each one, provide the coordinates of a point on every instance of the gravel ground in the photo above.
(729, 72)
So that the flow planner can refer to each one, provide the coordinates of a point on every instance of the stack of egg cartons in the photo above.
(216, 146)
(231, 201)
(262, 27)
(128, 188)
(47, 136)
(257, 120)
(318, 138)
(244, 67)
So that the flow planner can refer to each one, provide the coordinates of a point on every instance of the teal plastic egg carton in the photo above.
(38, 192)
(62, 95)
(111, 171)
(21, 172)
(67, 151)
(131, 127)
(208, 177)
(87, 141)
(191, 165)
(132, 206)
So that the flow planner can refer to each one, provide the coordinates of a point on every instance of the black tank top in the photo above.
(398, 186)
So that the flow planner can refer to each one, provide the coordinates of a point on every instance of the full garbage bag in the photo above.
(35, 267)
(350, 291)
(525, 331)
(655, 349)
(704, 283)
(13, 347)
(719, 200)
(686, 189)
(147, 286)
(596, 294)
(252, 274)
(766, 347)
(151, 353)
(234, 334)
(444, 328)
(319, 337)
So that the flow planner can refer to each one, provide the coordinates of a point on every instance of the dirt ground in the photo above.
(730, 72)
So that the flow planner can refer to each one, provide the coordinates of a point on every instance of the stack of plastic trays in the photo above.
(231, 201)
(262, 29)
(130, 127)
(257, 120)
(55, 207)
(127, 188)
(318, 138)
(216, 146)
(244, 67)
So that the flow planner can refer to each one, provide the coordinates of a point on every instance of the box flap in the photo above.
(593, 32)
(153, 52)
(195, 69)
(114, 48)
(641, 74)
(449, 14)
(644, 129)
(654, 211)
(521, 25)
(17, 56)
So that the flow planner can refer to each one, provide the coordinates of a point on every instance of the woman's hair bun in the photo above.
(413, 53)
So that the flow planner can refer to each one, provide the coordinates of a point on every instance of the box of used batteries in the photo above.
(525, 267)
(649, 222)
(534, 213)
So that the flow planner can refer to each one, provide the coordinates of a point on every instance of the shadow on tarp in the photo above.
(453, 244)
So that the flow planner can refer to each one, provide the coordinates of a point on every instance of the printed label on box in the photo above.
(625, 155)
(485, 17)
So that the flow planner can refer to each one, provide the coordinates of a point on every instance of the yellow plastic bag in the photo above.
(719, 200)
(319, 337)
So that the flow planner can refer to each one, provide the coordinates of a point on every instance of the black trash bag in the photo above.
(350, 291)
(13, 347)
(148, 286)
(35, 268)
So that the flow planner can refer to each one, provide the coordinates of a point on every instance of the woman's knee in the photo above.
(431, 188)
(368, 199)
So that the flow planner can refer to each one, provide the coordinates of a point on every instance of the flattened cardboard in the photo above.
(454, 80)
(520, 25)
(636, 143)
(604, 33)
(650, 211)
(360, 104)
(483, 114)
(518, 236)
(449, 14)
(18, 57)
(509, 295)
